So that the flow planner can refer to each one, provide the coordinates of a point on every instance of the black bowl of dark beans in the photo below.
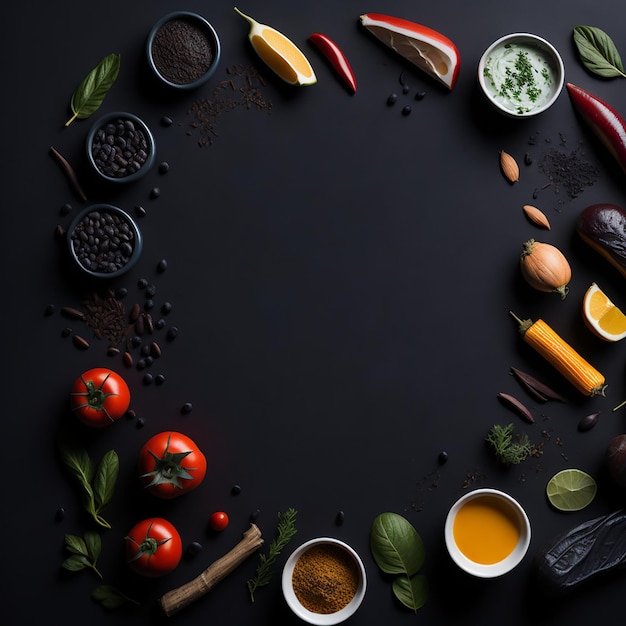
(104, 241)
(120, 147)
(183, 50)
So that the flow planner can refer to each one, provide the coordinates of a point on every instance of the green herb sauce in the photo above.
(519, 78)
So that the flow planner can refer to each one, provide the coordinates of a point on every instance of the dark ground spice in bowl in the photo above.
(325, 578)
(183, 49)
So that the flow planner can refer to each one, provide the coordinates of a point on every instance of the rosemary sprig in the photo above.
(286, 529)
(509, 448)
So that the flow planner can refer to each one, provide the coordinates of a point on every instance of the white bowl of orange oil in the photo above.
(487, 533)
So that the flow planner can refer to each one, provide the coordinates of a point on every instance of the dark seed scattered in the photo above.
(135, 312)
(127, 359)
(66, 332)
(59, 516)
(80, 342)
(59, 231)
(166, 121)
(254, 516)
(69, 311)
(148, 379)
(155, 193)
(50, 309)
(528, 160)
(122, 292)
(113, 350)
(162, 265)
(392, 99)
(151, 291)
(155, 349)
(195, 547)
(148, 304)
(141, 364)
(160, 324)
(172, 333)
(186, 408)
(140, 423)
(236, 490)
(443, 457)
(339, 519)
(166, 308)
(131, 414)
(406, 110)
(66, 209)
(420, 95)
(135, 341)
(588, 422)
(164, 167)
(142, 283)
(159, 379)
(140, 211)
(405, 89)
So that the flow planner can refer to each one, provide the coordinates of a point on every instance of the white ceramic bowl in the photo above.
(322, 619)
(490, 79)
(516, 513)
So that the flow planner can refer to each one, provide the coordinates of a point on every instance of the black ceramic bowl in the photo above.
(183, 50)
(104, 241)
(120, 147)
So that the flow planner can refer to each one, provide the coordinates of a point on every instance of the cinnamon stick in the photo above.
(177, 599)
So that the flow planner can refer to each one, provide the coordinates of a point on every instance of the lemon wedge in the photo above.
(279, 53)
(601, 316)
(426, 48)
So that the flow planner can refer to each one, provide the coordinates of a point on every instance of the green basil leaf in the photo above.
(396, 546)
(105, 479)
(93, 544)
(76, 545)
(110, 597)
(91, 92)
(597, 52)
(412, 592)
(76, 562)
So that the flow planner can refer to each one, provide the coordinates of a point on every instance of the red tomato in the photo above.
(99, 397)
(171, 464)
(153, 547)
(218, 521)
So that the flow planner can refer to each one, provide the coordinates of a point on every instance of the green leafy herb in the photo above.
(285, 531)
(598, 52)
(510, 448)
(90, 94)
(97, 481)
(398, 550)
(84, 552)
(111, 597)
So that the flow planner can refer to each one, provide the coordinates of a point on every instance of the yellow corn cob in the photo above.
(586, 378)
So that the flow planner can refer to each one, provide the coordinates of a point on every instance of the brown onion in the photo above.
(545, 267)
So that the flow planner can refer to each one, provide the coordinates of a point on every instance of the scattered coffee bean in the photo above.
(66, 332)
(406, 110)
(186, 408)
(113, 350)
(236, 490)
(69, 311)
(392, 99)
(194, 548)
(166, 121)
(140, 211)
(164, 167)
(131, 414)
(155, 349)
(140, 423)
(127, 358)
(59, 232)
(155, 193)
(528, 160)
(148, 323)
(159, 379)
(139, 325)
(162, 265)
(339, 519)
(134, 312)
(443, 457)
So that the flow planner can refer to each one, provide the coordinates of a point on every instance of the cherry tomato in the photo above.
(171, 464)
(218, 521)
(99, 397)
(153, 547)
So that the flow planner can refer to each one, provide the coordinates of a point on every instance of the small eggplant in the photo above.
(607, 124)
(603, 227)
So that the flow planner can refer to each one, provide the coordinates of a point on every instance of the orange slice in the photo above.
(426, 48)
(601, 316)
(279, 53)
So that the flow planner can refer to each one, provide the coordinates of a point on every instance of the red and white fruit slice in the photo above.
(426, 48)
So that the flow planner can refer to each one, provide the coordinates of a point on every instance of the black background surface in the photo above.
(341, 276)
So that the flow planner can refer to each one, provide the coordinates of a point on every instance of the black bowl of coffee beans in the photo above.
(183, 50)
(120, 147)
(104, 241)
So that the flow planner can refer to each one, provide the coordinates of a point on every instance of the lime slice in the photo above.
(571, 490)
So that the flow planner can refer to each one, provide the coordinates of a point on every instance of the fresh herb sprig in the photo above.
(91, 92)
(84, 552)
(510, 448)
(286, 529)
(97, 481)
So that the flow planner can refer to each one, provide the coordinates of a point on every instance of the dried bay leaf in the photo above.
(91, 92)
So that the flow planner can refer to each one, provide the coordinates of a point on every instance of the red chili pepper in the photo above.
(336, 57)
(603, 119)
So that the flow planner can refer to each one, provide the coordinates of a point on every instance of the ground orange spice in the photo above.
(325, 578)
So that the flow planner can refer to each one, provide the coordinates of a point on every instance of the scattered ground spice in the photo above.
(325, 578)
(241, 89)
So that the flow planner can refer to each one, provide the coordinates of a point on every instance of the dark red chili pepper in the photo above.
(603, 119)
(335, 57)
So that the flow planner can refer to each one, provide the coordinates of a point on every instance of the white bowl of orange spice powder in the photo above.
(324, 581)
